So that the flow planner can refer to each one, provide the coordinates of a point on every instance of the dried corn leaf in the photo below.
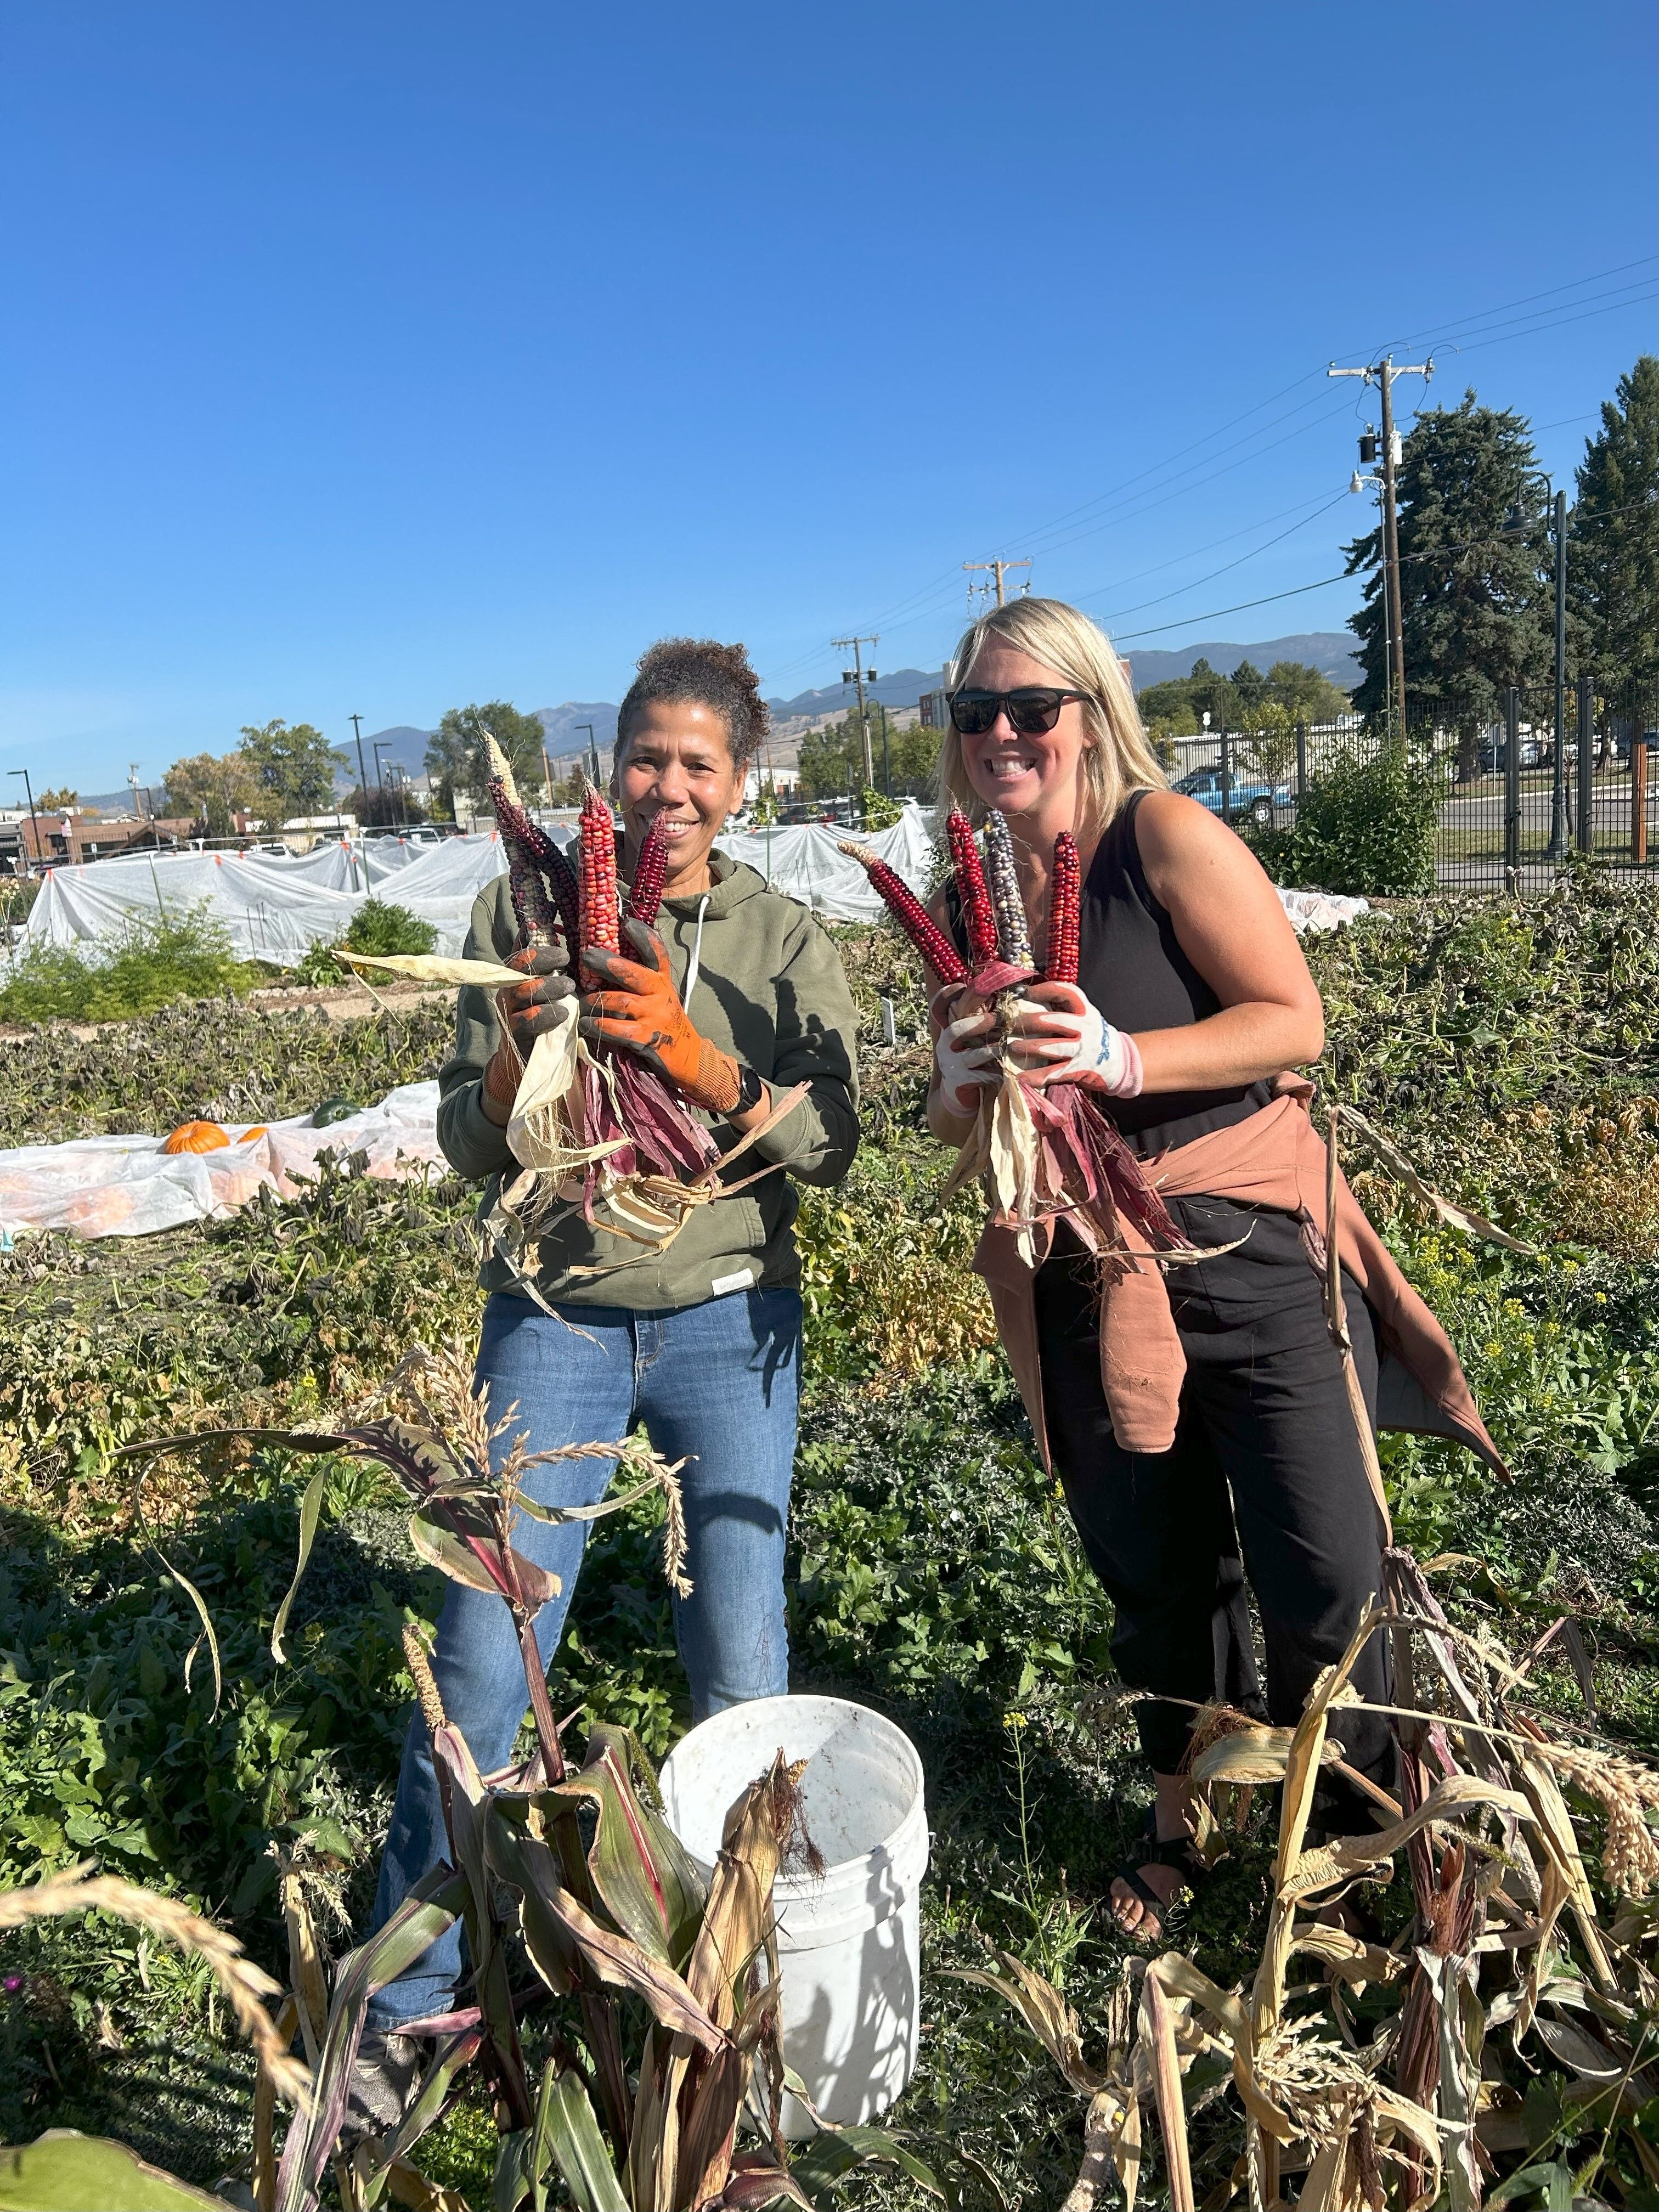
(1395, 1163)
(1163, 2064)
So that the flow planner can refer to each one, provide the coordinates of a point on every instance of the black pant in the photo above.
(1266, 1463)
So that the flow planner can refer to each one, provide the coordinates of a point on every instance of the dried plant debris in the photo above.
(1401, 2076)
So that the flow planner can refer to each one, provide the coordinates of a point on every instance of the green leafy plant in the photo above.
(1364, 827)
(379, 927)
(178, 955)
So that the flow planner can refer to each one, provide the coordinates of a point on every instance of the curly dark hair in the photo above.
(708, 674)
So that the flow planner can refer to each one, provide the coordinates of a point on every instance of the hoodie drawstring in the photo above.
(696, 955)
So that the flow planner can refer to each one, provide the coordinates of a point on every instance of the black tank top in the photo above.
(1130, 966)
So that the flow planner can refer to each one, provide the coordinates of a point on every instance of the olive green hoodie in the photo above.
(770, 989)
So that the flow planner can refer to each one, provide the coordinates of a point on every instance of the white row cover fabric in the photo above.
(274, 906)
(128, 1187)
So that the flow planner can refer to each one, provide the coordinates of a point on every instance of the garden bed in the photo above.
(1512, 1053)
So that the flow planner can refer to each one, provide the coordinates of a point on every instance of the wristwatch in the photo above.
(750, 1090)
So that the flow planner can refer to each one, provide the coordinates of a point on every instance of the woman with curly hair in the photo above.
(735, 997)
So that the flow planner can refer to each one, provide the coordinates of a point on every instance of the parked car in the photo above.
(1622, 745)
(1530, 752)
(1257, 801)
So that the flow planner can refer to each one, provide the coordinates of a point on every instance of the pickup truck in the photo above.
(1257, 801)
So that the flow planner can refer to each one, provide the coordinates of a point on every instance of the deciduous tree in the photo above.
(211, 788)
(293, 765)
(455, 756)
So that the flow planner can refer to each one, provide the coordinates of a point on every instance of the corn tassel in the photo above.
(978, 917)
(1065, 906)
(650, 873)
(600, 916)
(912, 917)
(1013, 936)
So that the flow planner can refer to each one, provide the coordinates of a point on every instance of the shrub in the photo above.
(177, 955)
(1364, 827)
(377, 928)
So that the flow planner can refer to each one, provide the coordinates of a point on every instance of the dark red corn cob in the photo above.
(532, 908)
(1065, 903)
(650, 873)
(978, 917)
(599, 919)
(912, 917)
(528, 848)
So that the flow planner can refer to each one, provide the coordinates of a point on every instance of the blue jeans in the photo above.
(718, 1383)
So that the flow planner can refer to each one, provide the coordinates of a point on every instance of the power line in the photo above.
(1449, 329)
(1243, 605)
(1197, 582)
(926, 598)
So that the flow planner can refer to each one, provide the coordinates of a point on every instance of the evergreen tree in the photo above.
(1613, 558)
(1475, 600)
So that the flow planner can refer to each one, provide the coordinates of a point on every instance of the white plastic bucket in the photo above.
(849, 1943)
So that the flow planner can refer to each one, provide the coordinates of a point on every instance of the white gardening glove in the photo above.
(964, 1053)
(1054, 1030)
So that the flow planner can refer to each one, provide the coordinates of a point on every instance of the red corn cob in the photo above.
(598, 918)
(978, 917)
(650, 873)
(1065, 901)
(912, 917)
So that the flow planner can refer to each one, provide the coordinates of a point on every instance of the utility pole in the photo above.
(547, 777)
(1383, 374)
(857, 674)
(1001, 568)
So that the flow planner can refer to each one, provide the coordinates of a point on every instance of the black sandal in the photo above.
(1177, 1852)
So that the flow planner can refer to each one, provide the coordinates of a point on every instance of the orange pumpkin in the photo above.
(249, 1136)
(197, 1136)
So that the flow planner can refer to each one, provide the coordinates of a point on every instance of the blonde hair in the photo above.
(1117, 756)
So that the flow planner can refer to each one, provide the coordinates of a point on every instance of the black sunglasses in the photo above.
(1032, 712)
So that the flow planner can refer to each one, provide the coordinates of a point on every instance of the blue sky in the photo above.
(384, 358)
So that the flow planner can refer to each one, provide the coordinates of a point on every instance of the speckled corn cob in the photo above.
(650, 873)
(1065, 904)
(977, 916)
(1012, 935)
(912, 917)
(599, 919)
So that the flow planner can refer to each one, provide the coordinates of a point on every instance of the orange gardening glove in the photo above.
(641, 1010)
(524, 1011)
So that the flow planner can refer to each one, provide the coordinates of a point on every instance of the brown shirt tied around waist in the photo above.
(1275, 1158)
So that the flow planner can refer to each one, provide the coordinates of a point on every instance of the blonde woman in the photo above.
(1200, 1425)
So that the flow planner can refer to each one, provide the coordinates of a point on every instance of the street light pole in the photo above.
(356, 721)
(34, 826)
(380, 772)
(592, 746)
